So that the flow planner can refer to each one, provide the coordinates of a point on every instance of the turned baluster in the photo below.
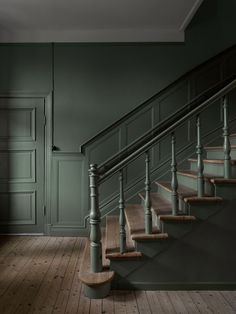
(227, 147)
(122, 220)
(174, 180)
(200, 165)
(147, 201)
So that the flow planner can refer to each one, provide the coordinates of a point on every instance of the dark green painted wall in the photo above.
(26, 67)
(95, 84)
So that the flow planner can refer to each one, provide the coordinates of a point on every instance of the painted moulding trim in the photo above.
(24, 94)
(190, 15)
(177, 285)
(67, 231)
(93, 35)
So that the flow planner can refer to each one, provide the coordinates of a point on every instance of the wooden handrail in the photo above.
(144, 143)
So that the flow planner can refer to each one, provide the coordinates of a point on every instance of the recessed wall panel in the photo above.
(17, 124)
(17, 166)
(17, 208)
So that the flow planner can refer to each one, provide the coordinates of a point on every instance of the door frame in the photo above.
(48, 144)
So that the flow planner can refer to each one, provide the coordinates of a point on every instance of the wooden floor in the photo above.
(40, 275)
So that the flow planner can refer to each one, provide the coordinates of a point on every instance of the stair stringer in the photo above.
(202, 258)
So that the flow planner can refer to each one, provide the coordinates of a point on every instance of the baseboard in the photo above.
(177, 286)
(65, 231)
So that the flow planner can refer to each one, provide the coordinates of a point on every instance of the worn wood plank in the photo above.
(96, 306)
(177, 302)
(13, 262)
(188, 302)
(131, 305)
(17, 288)
(75, 290)
(199, 302)
(119, 302)
(84, 303)
(154, 302)
(64, 292)
(108, 304)
(165, 302)
(39, 299)
(230, 297)
(216, 302)
(142, 301)
(35, 276)
(55, 279)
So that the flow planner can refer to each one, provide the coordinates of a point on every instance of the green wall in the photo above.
(95, 84)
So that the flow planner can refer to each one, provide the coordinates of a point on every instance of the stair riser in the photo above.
(203, 211)
(233, 140)
(176, 229)
(152, 248)
(214, 169)
(192, 183)
(164, 193)
(219, 154)
(167, 195)
(226, 191)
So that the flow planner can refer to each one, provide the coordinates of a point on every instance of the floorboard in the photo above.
(40, 275)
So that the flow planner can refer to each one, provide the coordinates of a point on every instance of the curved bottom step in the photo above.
(96, 285)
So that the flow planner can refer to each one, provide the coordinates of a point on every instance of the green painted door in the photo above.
(21, 165)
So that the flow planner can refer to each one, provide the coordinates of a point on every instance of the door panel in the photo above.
(21, 165)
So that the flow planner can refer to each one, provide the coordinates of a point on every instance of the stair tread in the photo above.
(223, 181)
(89, 278)
(213, 161)
(203, 199)
(135, 221)
(183, 191)
(163, 205)
(193, 174)
(218, 147)
(179, 218)
(112, 243)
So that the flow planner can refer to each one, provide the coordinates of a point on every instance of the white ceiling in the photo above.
(95, 20)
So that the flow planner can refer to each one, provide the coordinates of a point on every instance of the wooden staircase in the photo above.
(167, 228)
(175, 237)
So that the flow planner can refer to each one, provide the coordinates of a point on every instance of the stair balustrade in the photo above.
(118, 162)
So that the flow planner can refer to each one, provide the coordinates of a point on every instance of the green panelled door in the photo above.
(21, 165)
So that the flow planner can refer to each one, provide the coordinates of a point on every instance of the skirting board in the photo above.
(177, 286)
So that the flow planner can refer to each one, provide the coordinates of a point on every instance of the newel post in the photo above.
(200, 165)
(95, 219)
(227, 147)
(174, 180)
